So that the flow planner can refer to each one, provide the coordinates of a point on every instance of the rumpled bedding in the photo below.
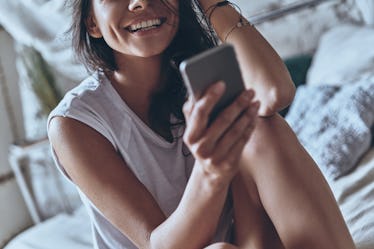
(334, 124)
(63, 231)
(42, 24)
(354, 193)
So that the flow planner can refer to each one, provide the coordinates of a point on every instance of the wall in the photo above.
(13, 213)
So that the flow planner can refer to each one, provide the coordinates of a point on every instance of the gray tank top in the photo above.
(163, 167)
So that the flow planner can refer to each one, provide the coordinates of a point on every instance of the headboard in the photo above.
(285, 10)
(44, 189)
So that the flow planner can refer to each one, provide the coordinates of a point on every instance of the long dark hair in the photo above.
(193, 36)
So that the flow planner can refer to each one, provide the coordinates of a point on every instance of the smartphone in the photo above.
(216, 64)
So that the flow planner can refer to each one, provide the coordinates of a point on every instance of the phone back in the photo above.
(211, 66)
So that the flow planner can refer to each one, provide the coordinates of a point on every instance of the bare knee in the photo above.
(272, 134)
(221, 245)
(275, 147)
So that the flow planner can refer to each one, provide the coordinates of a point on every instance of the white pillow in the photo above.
(334, 124)
(367, 10)
(345, 54)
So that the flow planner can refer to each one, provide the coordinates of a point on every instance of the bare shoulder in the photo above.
(63, 131)
(96, 167)
(80, 148)
(64, 128)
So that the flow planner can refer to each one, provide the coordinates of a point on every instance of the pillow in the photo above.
(367, 10)
(345, 54)
(333, 123)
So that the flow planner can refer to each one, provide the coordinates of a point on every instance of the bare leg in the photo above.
(288, 195)
(253, 227)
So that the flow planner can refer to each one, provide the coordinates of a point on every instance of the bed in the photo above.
(332, 115)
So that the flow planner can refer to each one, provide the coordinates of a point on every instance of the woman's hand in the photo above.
(218, 147)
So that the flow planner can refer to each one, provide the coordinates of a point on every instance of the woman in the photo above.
(242, 182)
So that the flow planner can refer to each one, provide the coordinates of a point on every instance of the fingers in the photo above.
(187, 108)
(218, 147)
(231, 144)
(197, 113)
(226, 119)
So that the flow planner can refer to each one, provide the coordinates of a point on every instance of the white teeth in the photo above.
(145, 24)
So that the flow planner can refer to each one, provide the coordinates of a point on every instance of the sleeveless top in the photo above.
(162, 167)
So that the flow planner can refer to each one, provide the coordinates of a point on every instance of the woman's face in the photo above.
(143, 28)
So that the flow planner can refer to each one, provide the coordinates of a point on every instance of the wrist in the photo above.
(212, 181)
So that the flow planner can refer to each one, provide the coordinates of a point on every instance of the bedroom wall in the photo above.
(13, 213)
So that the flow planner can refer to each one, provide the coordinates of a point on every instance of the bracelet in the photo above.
(241, 23)
(213, 7)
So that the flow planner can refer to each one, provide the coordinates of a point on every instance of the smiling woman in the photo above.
(212, 178)
(118, 136)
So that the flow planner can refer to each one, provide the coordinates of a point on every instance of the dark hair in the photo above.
(193, 36)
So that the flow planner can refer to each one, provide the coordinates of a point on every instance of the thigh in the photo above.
(253, 227)
(292, 190)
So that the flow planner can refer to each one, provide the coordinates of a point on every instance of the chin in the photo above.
(151, 51)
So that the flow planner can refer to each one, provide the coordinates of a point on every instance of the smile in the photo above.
(146, 25)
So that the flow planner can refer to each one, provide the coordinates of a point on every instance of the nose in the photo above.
(136, 5)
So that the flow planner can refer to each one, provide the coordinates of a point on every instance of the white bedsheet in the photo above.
(60, 232)
(355, 195)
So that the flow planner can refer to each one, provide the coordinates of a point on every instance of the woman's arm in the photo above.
(262, 68)
(123, 199)
(96, 168)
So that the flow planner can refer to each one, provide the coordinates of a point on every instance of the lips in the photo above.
(146, 25)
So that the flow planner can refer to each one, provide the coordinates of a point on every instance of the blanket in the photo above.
(334, 123)
(42, 24)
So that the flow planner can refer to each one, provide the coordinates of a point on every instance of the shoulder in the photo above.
(93, 104)
(66, 130)
(74, 141)
(89, 88)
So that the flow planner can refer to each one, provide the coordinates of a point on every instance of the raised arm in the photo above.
(262, 68)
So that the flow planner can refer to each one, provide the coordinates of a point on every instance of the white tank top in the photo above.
(163, 167)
